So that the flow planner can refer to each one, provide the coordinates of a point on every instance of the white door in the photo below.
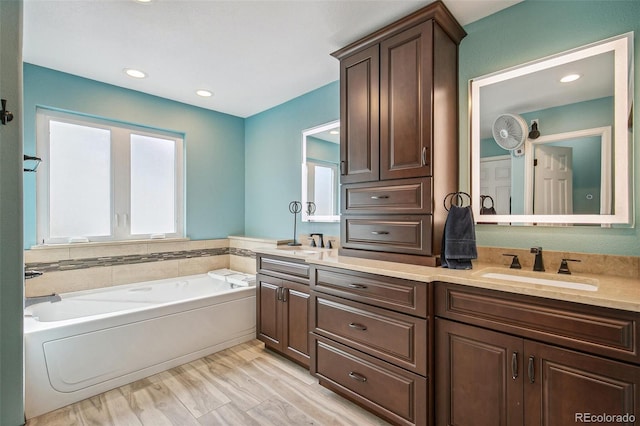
(553, 180)
(495, 180)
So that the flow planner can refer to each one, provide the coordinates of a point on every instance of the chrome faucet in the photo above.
(538, 264)
(28, 301)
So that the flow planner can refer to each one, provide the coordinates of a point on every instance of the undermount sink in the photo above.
(551, 280)
(297, 250)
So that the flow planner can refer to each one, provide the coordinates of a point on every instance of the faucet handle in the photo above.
(515, 262)
(564, 266)
(312, 242)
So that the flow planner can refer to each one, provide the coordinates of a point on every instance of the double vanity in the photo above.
(422, 345)
(378, 323)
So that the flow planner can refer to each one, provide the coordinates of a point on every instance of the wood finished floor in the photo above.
(242, 385)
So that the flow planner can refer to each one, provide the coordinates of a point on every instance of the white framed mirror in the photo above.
(578, 169)
(320, 173)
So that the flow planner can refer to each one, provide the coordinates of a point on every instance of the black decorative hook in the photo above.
(5, 116)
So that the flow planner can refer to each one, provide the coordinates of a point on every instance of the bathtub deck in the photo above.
(242, 385)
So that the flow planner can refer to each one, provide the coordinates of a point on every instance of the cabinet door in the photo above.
(269, 315)
(295, 321)
(359, 117)
(406, 81)
(478, 376)
(562, 387)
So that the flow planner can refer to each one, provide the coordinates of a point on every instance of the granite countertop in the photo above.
(612, 291)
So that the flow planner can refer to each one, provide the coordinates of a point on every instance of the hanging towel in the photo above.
(459, 239)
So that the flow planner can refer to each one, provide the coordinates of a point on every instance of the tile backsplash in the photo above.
(589, 263)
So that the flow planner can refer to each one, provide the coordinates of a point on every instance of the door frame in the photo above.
(605, 164)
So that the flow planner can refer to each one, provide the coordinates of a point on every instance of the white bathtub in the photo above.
(93, 341)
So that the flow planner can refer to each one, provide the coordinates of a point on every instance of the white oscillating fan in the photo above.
(510, 131)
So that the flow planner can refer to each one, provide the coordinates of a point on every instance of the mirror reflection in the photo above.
(550, 139)
(320, 173)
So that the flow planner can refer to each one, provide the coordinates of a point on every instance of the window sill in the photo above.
(108, 243)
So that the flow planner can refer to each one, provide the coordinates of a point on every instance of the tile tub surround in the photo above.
(74, 267)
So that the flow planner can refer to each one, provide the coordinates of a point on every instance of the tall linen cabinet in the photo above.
(399, 137)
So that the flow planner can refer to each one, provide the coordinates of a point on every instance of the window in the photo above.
(323, 182)
(105, 181)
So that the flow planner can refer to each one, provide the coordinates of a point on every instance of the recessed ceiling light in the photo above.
(569, 78)
(142, 1)
(204, 93)
(135, 73)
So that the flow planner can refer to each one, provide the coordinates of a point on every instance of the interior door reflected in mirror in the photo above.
(320, 173)
(551, 139)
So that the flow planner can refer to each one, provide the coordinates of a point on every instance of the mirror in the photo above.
(573, 166)
(320, 173)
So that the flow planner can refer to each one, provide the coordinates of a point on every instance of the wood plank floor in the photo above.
(242, 385)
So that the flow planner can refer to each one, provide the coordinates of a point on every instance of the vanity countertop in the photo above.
(612, 292)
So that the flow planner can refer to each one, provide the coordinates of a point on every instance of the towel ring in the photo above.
(457, 197)
(482, 200)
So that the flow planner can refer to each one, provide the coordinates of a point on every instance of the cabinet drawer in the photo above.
(609, 332)
(394, 393)
(396, 234)
(280, 266)
(400, 295)
(406, 196)
(394, 337)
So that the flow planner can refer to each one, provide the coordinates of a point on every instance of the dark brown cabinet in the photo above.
(399, 119)
(406, 82)
(282, 308)
(488, 377)
(371, 342)
(360, 140)
(479, 376)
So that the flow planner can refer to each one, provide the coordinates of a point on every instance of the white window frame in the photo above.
(120, 176)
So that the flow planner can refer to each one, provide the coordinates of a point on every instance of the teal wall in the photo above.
(214, 145)
(525, 32)
(273, 158)
(322, 150)
(267, 169)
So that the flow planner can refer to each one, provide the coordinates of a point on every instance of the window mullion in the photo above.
(121, 184)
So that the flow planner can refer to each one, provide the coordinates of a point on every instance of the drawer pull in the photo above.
(360, 286)
(379, 197)
(514, 365)
(358, 326)
(380, 232)
(532, 371)
(358, 377)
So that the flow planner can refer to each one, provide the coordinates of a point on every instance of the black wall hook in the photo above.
(5, 116)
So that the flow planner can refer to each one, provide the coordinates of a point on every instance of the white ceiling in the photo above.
(252, 54)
